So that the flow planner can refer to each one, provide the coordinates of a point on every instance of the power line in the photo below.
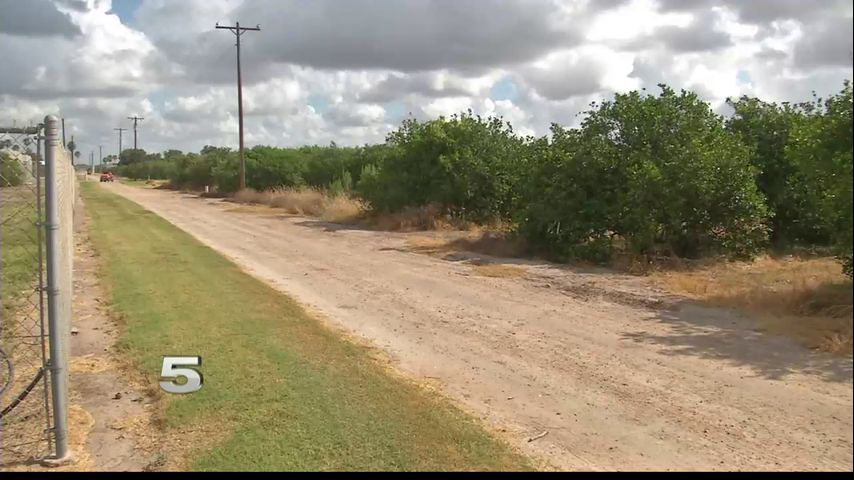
(135, 121)
(238, 31)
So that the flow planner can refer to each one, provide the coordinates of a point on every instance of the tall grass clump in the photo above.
(306, 201)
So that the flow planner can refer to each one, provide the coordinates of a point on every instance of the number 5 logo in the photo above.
(171, 371)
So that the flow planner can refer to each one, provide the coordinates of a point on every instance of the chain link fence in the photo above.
(24, 391)
(38, 194)
(60, 202)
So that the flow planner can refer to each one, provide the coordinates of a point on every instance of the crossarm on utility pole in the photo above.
(136, 120)
(237, 30)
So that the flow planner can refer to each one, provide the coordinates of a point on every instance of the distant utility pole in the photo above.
(135, 121)
(101, 153)
(120, 130)
(237, 30)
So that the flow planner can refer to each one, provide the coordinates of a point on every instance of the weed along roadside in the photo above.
(280, 390)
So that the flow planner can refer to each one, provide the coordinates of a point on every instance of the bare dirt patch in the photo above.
(105, 398)
(620, 372)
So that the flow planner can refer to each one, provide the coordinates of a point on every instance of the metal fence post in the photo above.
(58, 323)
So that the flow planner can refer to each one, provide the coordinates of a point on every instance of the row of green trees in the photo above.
(650, 174)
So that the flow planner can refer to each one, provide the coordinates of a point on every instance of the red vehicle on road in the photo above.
(107, 177)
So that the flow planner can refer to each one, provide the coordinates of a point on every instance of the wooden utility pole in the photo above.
(120, 130)
(135, 121)
(237, 30)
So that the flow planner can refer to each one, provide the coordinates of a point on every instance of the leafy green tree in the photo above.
(657, 172)
(210, 149)
(343, 184)
(820, 146)
(172, 154)
(462, 163)
(270, 167)
(765, 127)
(131, 156)
(571, 198)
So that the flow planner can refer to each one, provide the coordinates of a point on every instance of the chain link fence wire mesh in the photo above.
(25, 418)
(61, 200)
(66, 179)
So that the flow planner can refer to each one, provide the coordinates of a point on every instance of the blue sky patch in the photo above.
(395, 112)
(318, 103)
(504, 89)
(126, 9)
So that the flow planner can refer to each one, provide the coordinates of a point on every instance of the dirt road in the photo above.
(619, 375)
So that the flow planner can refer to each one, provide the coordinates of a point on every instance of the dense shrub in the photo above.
(659, 173)
(132, 156)
(322, 165)
(570, 199)
(270, 167)
(765, 128)
(148, 170)
(820, 147)
(463, 164)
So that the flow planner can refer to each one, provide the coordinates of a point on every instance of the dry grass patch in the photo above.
(494, 244)
(306, 201)
(489, 243)
(158, 184)
(343, 209)
(155, 184)
(414, 219)
(298, 201)
(254, 209)
(808, 299)
(251, 196)
(498, 270)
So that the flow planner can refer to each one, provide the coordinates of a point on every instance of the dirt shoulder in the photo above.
(110, 414)
(618, 374)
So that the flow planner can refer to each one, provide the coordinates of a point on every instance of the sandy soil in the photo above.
(618, 374)
(106, 398)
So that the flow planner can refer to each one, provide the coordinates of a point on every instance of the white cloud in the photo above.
(348, 71)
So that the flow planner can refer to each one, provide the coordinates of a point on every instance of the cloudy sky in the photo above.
(350, 70)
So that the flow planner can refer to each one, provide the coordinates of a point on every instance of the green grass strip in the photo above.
(285, 392)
